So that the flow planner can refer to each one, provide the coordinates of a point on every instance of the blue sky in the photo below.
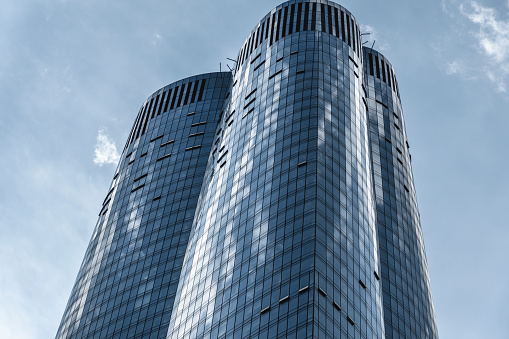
(74, 73)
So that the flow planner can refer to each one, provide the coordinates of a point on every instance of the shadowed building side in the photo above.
(408, 305)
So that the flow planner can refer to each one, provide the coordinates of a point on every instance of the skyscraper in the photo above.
(273, 201)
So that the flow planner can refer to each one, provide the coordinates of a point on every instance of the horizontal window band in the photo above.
(140, 177)
(349, 57)
(282, 300)
(304, 289)
(356, 75)
(399, 160)
(137, 188)
(362, 284)
(190, 113)
(106, 202)
(144, 154)
(304, 163)
(273, 75)
(258, 66)
(251, 93)
(230, 123)
(116, 175)
(196, 134)
(156, 198)
(294, 52)
(265, 310)
(199, 124)
(350, 320)
(256, 57)
(376, 276)
(300, 72)
(234, 83)
(322, 292)
(245, 115)
(406, 188)
(167, 143)
(106, 210)
(156, 138)
(224, 163)
(389, 141)
(278, 60)
(381, 103)
(336, 306)
(249, 103)
(222, 156)
(395, 125)
(164, 157)
(130, 162)
(128, 155)
(194, 147)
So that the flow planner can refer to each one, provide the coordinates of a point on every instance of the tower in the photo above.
(273, 201)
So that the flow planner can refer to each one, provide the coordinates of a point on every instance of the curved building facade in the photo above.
(273, 201)
(284, 234)
(408, 306)
(128, 279)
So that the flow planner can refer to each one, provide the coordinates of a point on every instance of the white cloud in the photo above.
(105, 150)
(373, 37)
(156, 39)
(492, 40)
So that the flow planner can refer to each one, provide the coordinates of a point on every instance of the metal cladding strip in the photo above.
(261, 228)
(398, 225)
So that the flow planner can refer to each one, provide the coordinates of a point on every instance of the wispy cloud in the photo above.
(373, 37)
(491, 36)
(105, 150)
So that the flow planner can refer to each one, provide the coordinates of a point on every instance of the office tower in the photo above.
(127, 282)
(287, 185)
(408, 306)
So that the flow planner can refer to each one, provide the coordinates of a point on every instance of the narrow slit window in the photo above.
(155, 105)
(141, 122)
(174, 97)
(313, 17)
(348, 30)
(343, 26)
(188, 90)
(267, 26)
(181, 94)
(389, 75)
(299, 15)
(200, 96)
(285, 20)
(370, 62)
(383, 70)
(257, 35)
(150, 107)
(377, 68)
(161, 103)
(306, 16)
(292, 14)
(167, 100)
(261, 32)
(329, 14)
(322, 17)
(278, 25)
(336, 21)
(272, 29)
(195, 88)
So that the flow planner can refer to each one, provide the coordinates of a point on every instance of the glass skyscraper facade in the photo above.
(273, 201)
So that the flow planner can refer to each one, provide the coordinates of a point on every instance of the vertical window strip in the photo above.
(322, 18)
(257, 35)
(353, 35)
(306, 16)
(155, 106)
(389, 76)
(161, 103)
(141, 121)
(167, 100)
(278, 25)
(292, 13)
(370, 57)
(343, 26)
(195, 88)
(248, 46)
(377, 68)
(147, 113)
(285, 21)
(267, 27)
(174, 97)
(133, 130)
(313, 18)
(261, 32)
(383, 69)
(299, 15)
(150, 106)
(329, 13)
(272, 29)
(348, 30)
(182, 89)
(336, 21)
(200, 96)
(186, 97)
